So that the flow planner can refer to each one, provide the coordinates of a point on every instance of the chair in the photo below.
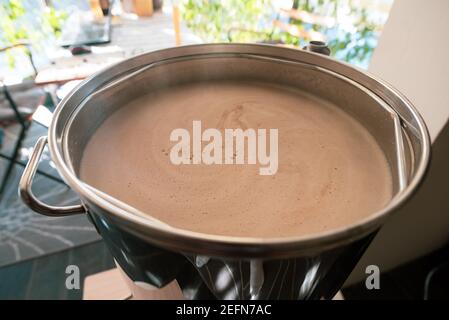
(21, 116)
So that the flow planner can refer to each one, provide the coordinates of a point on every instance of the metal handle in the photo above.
(318, 47)
(25, 187)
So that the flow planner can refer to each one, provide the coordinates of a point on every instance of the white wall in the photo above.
(413, 55)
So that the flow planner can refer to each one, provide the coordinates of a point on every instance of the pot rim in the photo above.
(202, 243)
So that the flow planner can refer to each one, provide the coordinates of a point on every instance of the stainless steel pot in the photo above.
(232, 267)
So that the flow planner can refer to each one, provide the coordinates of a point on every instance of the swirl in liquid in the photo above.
(331, 171)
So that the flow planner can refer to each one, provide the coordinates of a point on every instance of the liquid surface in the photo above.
(331, 171)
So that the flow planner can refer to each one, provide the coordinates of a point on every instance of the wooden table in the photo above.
(130, 37)
(111, 285)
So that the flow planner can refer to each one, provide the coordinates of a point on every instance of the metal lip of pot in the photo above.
(225, 246)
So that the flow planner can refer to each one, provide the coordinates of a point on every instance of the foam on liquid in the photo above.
(331, 171)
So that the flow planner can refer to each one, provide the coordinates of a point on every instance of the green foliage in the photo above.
(14, 27)
(354, 46)
(213, 20)
(55, 19)
(252, 20)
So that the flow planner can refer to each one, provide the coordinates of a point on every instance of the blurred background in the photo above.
(351, 27)
(47, 47)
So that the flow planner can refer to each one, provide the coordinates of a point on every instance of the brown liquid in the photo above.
(331, 171)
